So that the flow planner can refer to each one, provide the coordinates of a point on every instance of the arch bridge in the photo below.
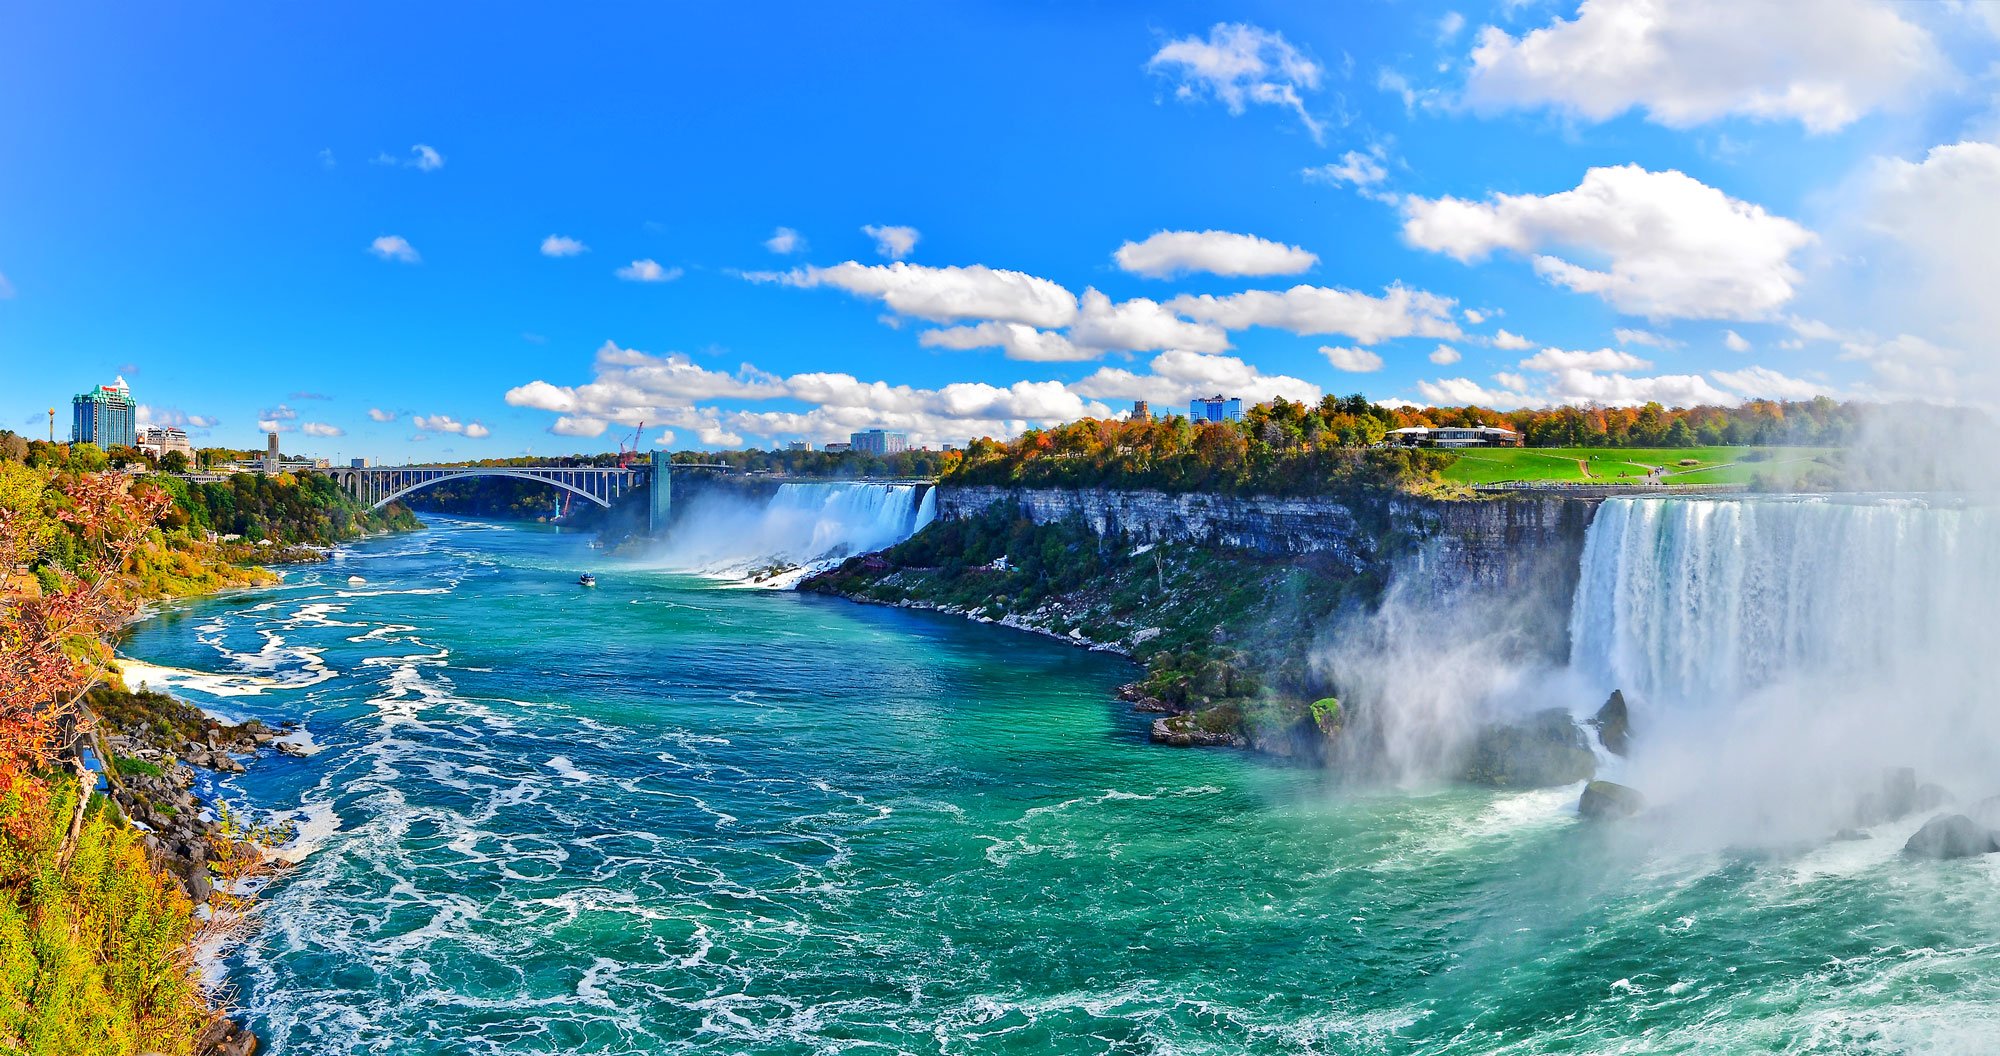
(379, 486)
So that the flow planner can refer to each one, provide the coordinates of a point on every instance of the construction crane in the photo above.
(627, 453)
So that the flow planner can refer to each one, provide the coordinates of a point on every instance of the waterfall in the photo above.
(801, 526)
(1780, 653)
(1685, 602)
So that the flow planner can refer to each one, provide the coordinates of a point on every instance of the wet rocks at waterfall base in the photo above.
(1609, 800)
(1546, 749)
(1952, 836)
(1614, 725)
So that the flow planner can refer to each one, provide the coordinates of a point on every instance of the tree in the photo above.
(174, 462)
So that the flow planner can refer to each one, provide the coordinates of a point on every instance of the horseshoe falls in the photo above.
(665, 816)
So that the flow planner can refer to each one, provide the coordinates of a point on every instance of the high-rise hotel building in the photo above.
(106, 416)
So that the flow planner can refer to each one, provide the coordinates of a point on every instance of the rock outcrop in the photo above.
(1544, 750)
(1187, 731)
(1952, 836)
(1607, 800)
(1614, 727)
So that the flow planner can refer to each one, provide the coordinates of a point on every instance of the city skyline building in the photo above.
(106, 416)
(1216, 408)
(879, 442)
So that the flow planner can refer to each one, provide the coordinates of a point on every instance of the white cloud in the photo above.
(1169, 253)
(1354, 169)
(1734, 341)
(444, 423)
(1510, 341)
(394, 247)
(280, 413)
(272, 425)
(1671, 245)
(1464, 392)
(892, 242)
(1176, 377)
(321, 429)
(562, 246)
(423, 158)
(1445, 355)
(785, 240)
(1933, 253)
(1909, 367)
(1474, 316)
(380, 415)
(326, 159)
(572, 426)
(944, 295)
(146, 416)
(1355, 360)
(1450, 25)
(1630, 336)
(6, 289)
(1239, 65)
(1140, 325)
(1019, 340)
(647, 270)
(1555, 359)
(1399, 312)
(1767, 384)
(1685, 62)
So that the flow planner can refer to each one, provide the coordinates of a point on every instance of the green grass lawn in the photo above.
(1629, 465)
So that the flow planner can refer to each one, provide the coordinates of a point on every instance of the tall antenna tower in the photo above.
(52, 425)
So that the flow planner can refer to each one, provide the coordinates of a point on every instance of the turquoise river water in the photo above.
(672, 816)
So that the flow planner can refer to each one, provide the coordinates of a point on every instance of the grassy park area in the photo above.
(1778, 466)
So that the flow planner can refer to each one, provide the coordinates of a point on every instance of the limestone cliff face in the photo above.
(1506, 542)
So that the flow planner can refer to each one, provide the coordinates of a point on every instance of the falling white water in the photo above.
(1778, 653)
(802, 526)
(1685, 602)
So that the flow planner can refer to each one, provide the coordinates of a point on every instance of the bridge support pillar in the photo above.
(660, 508)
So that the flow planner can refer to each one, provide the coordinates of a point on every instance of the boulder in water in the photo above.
(1951, 836)
(1608, 800)
(1986, 812)
(1542, 751)
(1614, 728)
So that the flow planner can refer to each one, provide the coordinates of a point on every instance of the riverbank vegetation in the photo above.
(97, 932)
(1226, 637)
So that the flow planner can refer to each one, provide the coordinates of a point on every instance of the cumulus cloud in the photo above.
(1140, 325)
(1356, 169)
(1763, 383)
(1399, 312)
(1734, 341)
(394, 247)
(444, 423)
(1018, 340)
(1176, 377)
(1445, 355)
(1672, 246)
(1240, 65)
(1555, 359)
(562, 246)
(380, 415)
(944, 295)
(785, 240)
(647, 270)
(146, 416)
(1510, 341)
(892, 242)
(272, 425)
(1169, 253)
(1631, 336)
(1355, 360)
(425, 157)
(1686, 62)
(279, 413)
(1931, 224)
(321, 429)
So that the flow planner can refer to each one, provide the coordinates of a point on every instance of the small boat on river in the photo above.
(586, 580)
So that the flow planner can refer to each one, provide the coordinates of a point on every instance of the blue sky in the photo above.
(339, 220)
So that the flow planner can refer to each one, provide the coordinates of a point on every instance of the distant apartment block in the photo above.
(106, 416)
(799, 445)
(1216, 408)
(879, 442)
(835, 448)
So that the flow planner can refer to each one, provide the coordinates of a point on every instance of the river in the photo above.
(668, 815)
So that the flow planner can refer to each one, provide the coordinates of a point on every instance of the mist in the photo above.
(801, 527)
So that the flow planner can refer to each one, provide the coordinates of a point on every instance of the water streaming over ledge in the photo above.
(810, 525)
